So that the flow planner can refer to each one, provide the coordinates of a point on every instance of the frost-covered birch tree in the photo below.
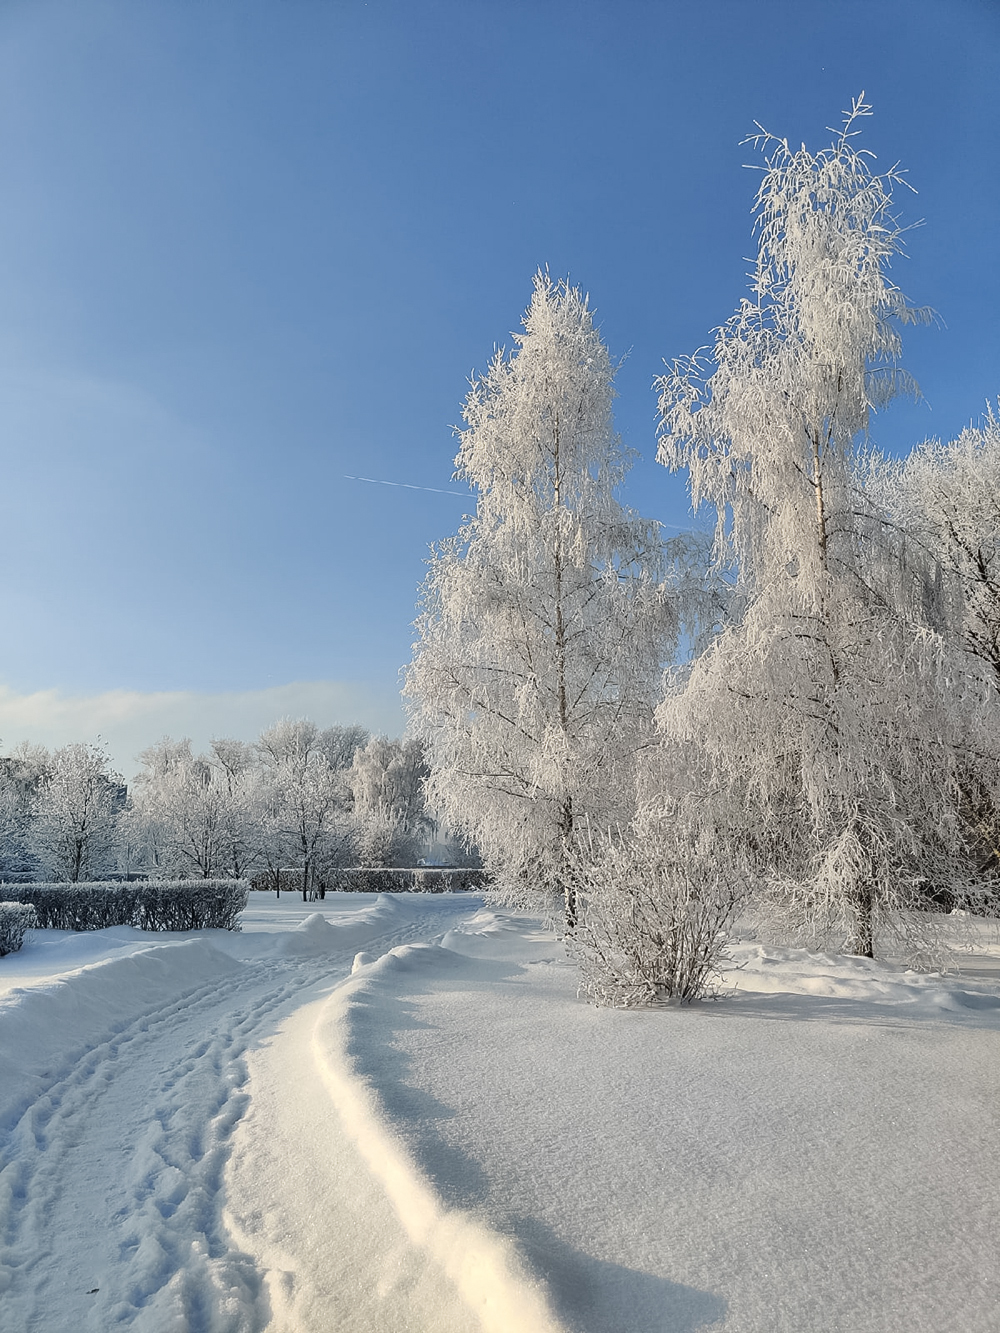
(179, 812)
(305, 798)
(76, 814)
(946, 497)
(544, 626)
(821, 737)
(387, 780)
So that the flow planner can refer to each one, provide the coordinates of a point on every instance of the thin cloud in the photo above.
(128, 721)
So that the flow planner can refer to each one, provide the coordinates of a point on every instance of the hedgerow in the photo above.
(422, 879)
(186, 904)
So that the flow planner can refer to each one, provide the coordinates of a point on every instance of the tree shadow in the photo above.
(590, 1295)
(959, 1007)
(594, 1296)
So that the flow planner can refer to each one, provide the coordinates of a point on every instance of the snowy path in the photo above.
(111, 1179)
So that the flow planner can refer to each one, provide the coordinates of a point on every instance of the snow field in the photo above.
(273, 1131)
(815, 1153)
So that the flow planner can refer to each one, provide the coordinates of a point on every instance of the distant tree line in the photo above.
(290, 808)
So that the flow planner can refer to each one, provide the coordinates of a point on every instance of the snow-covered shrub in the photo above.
(15, 919)
(68, 906)
(453, 879)
(653, 926)
(197, 904)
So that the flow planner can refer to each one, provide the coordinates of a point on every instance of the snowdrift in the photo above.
(486, 1268)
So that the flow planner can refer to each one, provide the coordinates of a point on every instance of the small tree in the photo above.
(387, 781)
(74, 828)
(544, 627)
(306, 798)
(823, 735)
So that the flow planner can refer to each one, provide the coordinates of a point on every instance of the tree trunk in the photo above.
(566, 810)
(863, 944)
(568, 887)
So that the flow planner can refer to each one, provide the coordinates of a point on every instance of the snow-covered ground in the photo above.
(238, 1132)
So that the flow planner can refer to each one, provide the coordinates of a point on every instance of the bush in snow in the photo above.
(198, 904)
(15, 919)
(653, 926)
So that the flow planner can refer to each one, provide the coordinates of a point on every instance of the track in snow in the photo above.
(111, 1181)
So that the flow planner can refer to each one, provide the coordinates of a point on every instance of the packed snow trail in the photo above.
(122, 1085)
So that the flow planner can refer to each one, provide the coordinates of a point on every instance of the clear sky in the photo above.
(250, 249)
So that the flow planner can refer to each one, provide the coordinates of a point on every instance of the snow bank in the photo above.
(485, 1267)
(318, 934)
(758, 970)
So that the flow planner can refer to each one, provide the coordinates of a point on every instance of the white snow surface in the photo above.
(394, 1113)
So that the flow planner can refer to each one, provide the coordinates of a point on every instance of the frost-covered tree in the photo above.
(196, 816)
(178, 811)
(947, 497)
(387, 781)
(544, 626)
(80, 800)
(22, 774)
(236, 771)
(821, 738)
(306, 796)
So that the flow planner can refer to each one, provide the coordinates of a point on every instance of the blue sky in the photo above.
(248, 249)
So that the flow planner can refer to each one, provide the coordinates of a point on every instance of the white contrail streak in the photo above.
(406, 486)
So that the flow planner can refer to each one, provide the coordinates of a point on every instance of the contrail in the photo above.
(406, 486)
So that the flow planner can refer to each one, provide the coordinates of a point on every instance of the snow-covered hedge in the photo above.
(15, 919)
(422, 879)
(372, 879)
(186, 904)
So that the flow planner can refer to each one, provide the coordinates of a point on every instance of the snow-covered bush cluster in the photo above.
(289, 812)
(194, 904)
(825, 753)
(15, 920)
